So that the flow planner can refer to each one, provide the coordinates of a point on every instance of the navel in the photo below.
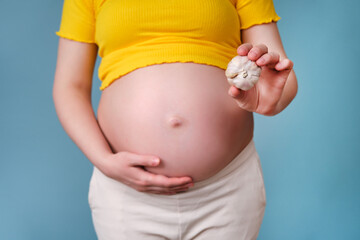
(175, 121)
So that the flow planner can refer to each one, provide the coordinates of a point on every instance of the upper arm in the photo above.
(267, 34)
(75, 64)
(76, 57)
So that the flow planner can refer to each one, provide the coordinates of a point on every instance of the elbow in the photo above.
(56, 93)
(59, 92)
(65, 92)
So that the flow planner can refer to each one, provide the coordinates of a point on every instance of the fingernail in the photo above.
(155, 161)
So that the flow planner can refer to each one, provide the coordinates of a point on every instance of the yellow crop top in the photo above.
(132, 34)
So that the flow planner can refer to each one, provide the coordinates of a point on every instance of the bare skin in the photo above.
(72, 96)
(277, 85)
(180, 112)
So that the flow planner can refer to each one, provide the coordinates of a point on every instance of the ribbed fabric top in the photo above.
(132, 34)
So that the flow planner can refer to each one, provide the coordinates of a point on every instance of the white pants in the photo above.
(227, 206)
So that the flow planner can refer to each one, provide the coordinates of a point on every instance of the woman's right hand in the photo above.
(72, 98)
(129, 168)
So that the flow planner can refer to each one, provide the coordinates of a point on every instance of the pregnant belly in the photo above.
(180, 112)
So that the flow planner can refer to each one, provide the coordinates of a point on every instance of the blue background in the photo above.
(309, 152)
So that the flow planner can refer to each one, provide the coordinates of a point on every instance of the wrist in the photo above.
(103, 162)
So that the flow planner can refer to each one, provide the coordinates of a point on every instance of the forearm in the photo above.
(289, 92)
(74, 109)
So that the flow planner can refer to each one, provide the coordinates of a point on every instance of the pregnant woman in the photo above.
(172, 144)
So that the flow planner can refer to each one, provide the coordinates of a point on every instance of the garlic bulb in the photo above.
(242, 72)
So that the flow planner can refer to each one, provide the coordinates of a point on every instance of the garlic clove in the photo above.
(242, 72)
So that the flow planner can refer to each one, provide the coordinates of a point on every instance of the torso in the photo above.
(180, 112)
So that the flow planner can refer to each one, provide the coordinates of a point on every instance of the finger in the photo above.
(162, 193)
(143, 160)
(234, 91)
(161, 190)
(154, 190)
(165, 190)
(148, 179)
(245, 99)
(284, 64)
(182, 188)
(268, 59)
(257, 51)
(244, 49)
(146, 187)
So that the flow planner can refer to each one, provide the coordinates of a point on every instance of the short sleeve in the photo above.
(78, 21)
(252, 12)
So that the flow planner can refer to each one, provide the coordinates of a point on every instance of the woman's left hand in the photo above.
(264, 97)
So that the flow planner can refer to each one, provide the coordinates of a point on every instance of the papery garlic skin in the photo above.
(242, 72)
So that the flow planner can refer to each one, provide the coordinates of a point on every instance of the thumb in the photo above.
(246, 100)
(144, 160)
(236, 93)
